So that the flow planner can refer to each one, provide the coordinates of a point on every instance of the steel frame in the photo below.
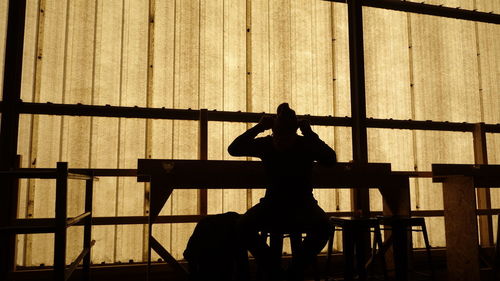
(12, 106)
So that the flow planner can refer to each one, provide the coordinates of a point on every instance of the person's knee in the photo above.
(321, 230)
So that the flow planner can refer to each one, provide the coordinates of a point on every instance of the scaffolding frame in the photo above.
(61, 223)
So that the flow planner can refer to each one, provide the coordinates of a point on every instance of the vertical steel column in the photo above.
(203, 155)
(360, 197)
(61, 217)
(87, 231)
(12, 83)
(9, 129)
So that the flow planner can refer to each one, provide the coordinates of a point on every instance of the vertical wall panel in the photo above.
(322, 94)
(387, 89)
(260, 94)
(301, 18)
(445, 68)
(212, 82)
(280, 52)
(31, 31)
(185, 142)
(341, 94)
(493, 144)
(132, 131)
(386, 64)
(489, 69)
(4, 9)
(163, 92)
(78, 87)
(25, 121)
(260, 91)
(105, 131)
(46, 134)
(340, 41)
(437, 147)
(235, 88)
(445, 83)
(489, 63)
(389, 146)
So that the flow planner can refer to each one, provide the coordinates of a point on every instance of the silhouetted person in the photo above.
(288, 203)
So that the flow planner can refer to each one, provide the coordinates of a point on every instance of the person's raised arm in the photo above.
(321, 151)
(246, 144)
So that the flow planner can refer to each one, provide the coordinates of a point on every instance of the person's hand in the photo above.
(266, 122)
(305, 127)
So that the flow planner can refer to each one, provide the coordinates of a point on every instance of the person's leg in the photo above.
(248, 227)
(316, 223)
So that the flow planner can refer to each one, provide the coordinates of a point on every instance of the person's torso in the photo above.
(289, 172)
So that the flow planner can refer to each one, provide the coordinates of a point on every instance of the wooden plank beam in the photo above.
(483, 194)
(462, 242)
(215, 174)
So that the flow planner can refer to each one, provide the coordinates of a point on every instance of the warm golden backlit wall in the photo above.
(247, 55)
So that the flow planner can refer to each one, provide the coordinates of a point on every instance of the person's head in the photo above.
(285, 123)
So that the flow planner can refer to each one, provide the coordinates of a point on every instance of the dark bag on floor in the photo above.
(213, 252)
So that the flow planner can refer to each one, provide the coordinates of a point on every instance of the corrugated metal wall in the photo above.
(247, 55)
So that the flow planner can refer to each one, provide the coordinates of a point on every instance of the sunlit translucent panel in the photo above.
(493, 146)
(495, 228)
(339, 139)
(387, 64)
(435, 230)
(167, 235)
(129, 243)
(30, 61)
(445, 69)
(389, 146)
(39, 249)
(437, 147)
(4, 8)
(109, 51)
(104, 249)
(74, 243)
(341, 76)
(34, 249)
(489, 62)
(84, 142)
(220, 137)
(201, 49)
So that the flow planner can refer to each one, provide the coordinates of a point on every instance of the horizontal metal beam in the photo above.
(232, 116)
(162, 113)
(433, 10)
(122, 220)
(422, 125)
(48, 226)
(83, 173)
